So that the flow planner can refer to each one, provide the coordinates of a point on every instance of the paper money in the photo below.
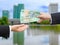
(27, 16)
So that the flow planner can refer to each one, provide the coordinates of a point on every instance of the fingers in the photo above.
(18, 28)
(25, 26)
(22, 28)
(19, 25)
(40, 16)
(39, 21)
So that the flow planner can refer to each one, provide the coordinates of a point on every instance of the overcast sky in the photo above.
(29, 4)
(8, 4)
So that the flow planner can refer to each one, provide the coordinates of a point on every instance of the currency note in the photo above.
(27, 16)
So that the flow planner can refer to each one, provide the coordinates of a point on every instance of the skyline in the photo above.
(29, 4)
(8, 4)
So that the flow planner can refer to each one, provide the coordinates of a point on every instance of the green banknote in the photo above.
(27, 16)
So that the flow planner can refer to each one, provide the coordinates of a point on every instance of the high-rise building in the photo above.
(5, 13)
(17, 10)
(18, 37)
(20, 7)
(53, 8)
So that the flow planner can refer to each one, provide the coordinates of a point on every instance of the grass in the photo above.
(55, 28)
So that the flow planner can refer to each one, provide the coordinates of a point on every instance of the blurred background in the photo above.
(38, 33)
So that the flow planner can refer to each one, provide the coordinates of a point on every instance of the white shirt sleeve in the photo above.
(51, 20)
(10, 31)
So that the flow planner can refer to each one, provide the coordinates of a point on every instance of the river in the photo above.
(43, 35)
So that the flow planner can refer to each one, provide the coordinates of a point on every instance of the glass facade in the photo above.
(18, 37)
(5, 13)
(20, 7)
(16, 10)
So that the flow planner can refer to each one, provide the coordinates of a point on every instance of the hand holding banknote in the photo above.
(44, 16)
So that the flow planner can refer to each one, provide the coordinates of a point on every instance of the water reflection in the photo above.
(35, 35)
(43, 35)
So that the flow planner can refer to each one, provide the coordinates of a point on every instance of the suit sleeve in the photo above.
(55, 18)
(4, 31)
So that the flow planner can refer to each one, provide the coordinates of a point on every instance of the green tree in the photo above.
(4, 21)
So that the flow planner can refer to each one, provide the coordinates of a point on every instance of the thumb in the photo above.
(40, 16)
(39, 21)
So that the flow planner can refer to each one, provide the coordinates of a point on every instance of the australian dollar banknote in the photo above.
(28, 16)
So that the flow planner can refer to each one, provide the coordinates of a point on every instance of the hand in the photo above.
(44, 16)
(19, 28)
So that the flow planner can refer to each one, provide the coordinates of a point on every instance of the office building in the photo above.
(5, 13)
(53, 8)
(17, 10)
(18, 37)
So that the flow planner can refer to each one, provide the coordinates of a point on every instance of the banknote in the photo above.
(27, 16)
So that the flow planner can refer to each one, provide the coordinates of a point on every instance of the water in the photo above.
(39, 36)
(35, 36)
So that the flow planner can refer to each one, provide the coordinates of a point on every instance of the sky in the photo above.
(29, 4)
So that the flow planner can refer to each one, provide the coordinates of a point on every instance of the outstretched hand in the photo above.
(19, 28)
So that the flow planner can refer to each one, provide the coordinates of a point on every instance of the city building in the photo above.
(5, 13)
(18, 37)
(53, 7)
(20, 7)
(17, 10)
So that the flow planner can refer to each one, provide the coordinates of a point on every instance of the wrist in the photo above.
(49, 17)
(11, 27)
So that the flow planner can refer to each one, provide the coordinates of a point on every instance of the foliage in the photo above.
(4, 21)
(43, 22)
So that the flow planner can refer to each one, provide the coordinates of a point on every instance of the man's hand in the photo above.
(44, 16)
(19, 28)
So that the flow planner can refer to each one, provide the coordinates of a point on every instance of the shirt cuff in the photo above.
(10, 31)
(51, 20)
